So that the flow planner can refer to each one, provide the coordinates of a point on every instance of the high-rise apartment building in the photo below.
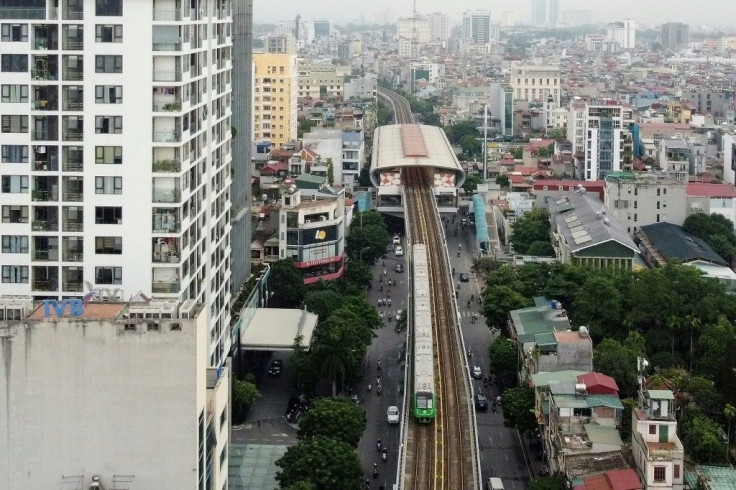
(623, 33)
(577, 17)
(275, 94)
(508, 18)
(322, 28)
(502, 107)
(599, 129)
(675, 35)
(438, 26)
(477, 26)
(116, 143)
(545, 13)
(536, 82)
(412, 32)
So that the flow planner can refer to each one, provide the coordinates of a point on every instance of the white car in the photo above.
(397, 240)
(399, 251)
(476, 372)
(392, 414)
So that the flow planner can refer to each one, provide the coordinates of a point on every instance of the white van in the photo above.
(494, 484)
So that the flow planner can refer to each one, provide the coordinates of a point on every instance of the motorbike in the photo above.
(384, 455)
(378, 390)
(378, 445)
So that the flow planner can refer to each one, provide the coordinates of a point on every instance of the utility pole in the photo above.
(485, 142)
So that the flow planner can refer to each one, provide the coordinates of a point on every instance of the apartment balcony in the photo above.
(167, 166)
(45, 98)
(72, 196)
(72, 10)
(72, 256)
(167, 75)
(45, 285)
(166, 195)
(73, 225)
(171, 103)
(167, 15)
(73, 135)
(166, 46)
(165, 220)
(44, 225)
(72, 44)
(71, 166)
(73, 286)
(38, 195)
(171, 136)
(47, 253)
(45, 37)
(45, 158)
(72, 74)
(165, 250)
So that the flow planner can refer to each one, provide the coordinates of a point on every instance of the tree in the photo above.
(431, 119)
(364, 177)
(504, 359)
(322, 303)
(548, 483)
(332, 351)
(358, 273)
(598, 304)
(701, 437)
(618, 360)
(470, 145)
(530, 228)
(518, 408)
(715, 229)
(323, 462)
(304, 127)
(503, 181)
(498, 301)
(287, 284)
(461, 129)
(517, 153)
(245, 394)
(629, 404)
(541, 249)
(330, 172)
(704, 395)
(730, 412)
(334, 418)
(715, 357)
(471, 183)
(368, 232)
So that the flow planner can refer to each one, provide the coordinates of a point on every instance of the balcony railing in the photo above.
(42, 195)
(73, 135)
(35, 13)
(167, 166)
(171, 257)
(162, 287)
(166, 195)
(44, 225)
(172, 46)
(73, 167)
(46, 255)
(166, 136)
(73, 225)
(73, 287)
(72, 256)
(167, 76)
(166, 14)
(73, 45)
(51, 165)
(45, 285)
(73, 105)
(167, 107)
(166, 223)
(73, 196)
(73, 75)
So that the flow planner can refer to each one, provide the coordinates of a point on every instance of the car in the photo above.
(399, 315)
(399, 251)
(481, 402)
(392, 414)
(476, 372)
(397, 239)
(399, 268)
(276, 367)
(464, 277)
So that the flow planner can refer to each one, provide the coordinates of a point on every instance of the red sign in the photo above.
(312, 263)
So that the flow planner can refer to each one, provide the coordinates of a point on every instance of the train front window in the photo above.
(424, 401)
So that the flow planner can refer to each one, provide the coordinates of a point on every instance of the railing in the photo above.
(165, 287)
(166, 224)
(70, 45)
(46, 255)
(167, 76)
(167, 107)
(166, 258)
(166, 14)
(73, 167)
(39, 135)
(73, 105)
(45, 285)
(44, 225)
(158, 46)
(46, 165)
(34, 13)
(73, 135)
(45, 105)
(73, 287)
(167, 166)
(72, 256)
(41, 74)
(41, 43)
(73, 75)
(73, 196)
(42, 195)
(166, 136)
(166, 195)
(73, 225)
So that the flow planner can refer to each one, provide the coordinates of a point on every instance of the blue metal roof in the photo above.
(481, 227)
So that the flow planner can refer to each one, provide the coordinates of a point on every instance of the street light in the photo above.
(360, 255)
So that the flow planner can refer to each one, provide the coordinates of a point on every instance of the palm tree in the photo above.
(729, 412)
(333, 352)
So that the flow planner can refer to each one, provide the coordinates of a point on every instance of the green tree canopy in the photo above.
(471, 146)
(618, 360)
(304, 127)
(548, 483)
(358, 273)
(530, 228)
(504, 359)
(245, 394)
(368, 232)
(503, 181)
(334, 418)
(518, 408)
(461, 129)
(702, 438)
(715, 229)
(498, 301)
(598, 304)
(323, 462)
(287, 284)
(716, 359)
(471, 183)
(322, 303)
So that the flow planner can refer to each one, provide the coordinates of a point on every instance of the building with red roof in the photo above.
(598, 384)
(612, 480)
(711, 198)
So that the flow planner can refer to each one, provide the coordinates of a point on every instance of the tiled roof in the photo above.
(593, 380)
(709, 190)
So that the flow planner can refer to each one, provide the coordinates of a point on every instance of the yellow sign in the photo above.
(320, 235)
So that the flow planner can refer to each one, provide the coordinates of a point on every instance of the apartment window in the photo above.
(108, 275)
(109, 33)
(109, 124)
(14, 124)
(15, 274)
(223, 417)
(14, 93)
(109, 245)
(15, 154)
(109, 63)
(657, 218)
(108, 185)
(15, 214)
(660, 473)
(15, 184)
(109, 7)
(664, 191)
(15, 244)
(652, 429)
(15, 32)
(658, 191)
(14, 63)
(108, 215)
(223, 455)
(109, 94)
(108, 155)
(636, 217)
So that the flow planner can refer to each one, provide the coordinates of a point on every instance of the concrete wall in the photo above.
(92, 398)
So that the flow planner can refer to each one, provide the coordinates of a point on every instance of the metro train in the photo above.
(424, 399)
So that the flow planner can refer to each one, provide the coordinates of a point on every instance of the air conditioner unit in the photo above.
(187, 309)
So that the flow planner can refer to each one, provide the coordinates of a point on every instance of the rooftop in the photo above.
(547, 378)
(533, 321)
(590, 464)
(698, 189)
(673, 243)
(622, 479)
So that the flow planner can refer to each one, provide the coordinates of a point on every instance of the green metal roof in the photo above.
(603, 434)
(661, 395)
(610, 401)
(570, 401)
(530, 322)
(546, 339)
(719, 477)
(544, 379)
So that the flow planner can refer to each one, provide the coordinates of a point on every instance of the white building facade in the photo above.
(412, 33)
(122, 392)
(604, 127)
(535, 82)
(117, 133)
(623, 33)
(477, 26)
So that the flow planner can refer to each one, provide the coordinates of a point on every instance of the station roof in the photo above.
(274, 329)
(413, 145)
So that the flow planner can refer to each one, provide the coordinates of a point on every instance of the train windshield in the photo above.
(424, 400)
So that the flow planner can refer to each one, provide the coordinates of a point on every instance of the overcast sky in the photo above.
(712, 12)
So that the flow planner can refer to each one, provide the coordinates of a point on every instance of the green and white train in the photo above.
(424, 397)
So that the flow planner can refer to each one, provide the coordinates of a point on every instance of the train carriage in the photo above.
(424, 399)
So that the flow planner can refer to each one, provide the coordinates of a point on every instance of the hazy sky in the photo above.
(713, 12)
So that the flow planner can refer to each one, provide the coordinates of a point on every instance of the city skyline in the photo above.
(687, 11)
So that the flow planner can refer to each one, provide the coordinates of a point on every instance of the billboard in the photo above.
(319, 235)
